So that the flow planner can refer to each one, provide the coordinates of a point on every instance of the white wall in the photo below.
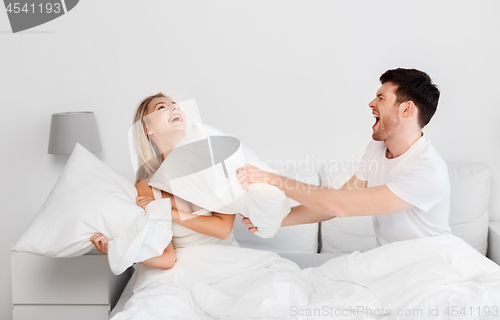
(292, 79)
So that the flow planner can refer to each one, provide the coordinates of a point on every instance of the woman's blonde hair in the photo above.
(148, 156)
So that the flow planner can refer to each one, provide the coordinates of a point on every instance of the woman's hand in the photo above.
(143, 201)
(100, 242)
(178, 203)
(248, 224)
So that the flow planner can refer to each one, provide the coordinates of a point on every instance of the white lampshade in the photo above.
(68, 128)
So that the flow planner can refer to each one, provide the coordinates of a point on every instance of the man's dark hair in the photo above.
(416, 86)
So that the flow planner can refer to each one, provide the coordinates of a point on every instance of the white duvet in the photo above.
(429, 278)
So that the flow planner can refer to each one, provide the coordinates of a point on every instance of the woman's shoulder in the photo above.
(144, 189)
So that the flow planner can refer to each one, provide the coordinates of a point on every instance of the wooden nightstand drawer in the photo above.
(73, 312)
(44, 280)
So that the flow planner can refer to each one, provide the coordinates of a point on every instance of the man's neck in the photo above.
(399, 145)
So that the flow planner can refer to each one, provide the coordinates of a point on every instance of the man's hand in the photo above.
(241, 175)
(100, 242)
(251, 228)
(255, 175)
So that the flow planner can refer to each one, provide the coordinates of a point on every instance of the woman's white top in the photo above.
(185, 237)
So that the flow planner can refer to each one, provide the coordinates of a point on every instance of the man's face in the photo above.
(385, 111)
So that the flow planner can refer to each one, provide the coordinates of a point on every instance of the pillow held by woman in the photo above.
(88, 198)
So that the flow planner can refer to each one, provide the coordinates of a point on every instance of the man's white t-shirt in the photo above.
(419, 177)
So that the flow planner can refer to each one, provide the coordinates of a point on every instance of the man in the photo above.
(407, 192)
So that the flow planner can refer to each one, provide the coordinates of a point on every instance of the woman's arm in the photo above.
(168, 258)
(218, 225)
(146, 195)
(165, 261)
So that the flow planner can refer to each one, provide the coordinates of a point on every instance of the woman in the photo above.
(159, 126)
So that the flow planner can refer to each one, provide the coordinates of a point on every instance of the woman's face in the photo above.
(163, 118)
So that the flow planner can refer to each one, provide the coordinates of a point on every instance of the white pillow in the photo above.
(293, 239)
(202, 170)
(345, 235)
(342, 235)
(88, 198)
(469, 202)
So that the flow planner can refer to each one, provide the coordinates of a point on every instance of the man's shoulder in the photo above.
(429, 156)
(428, 163)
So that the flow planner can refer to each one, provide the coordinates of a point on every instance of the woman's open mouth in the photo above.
(175, 118)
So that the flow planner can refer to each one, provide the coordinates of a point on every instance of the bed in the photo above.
(462, 284)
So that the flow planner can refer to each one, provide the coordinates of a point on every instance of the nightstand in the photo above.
(78, 288)
(494, 241)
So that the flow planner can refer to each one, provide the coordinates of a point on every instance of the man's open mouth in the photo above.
(377, 119)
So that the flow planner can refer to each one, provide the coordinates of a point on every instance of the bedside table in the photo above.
(78, 288)
(494, 242)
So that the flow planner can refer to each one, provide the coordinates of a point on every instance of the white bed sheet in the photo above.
(439, 274)
(303, 260)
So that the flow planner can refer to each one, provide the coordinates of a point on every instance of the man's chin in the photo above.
(376, 137)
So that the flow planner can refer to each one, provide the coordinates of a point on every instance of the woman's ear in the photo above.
(149, 131)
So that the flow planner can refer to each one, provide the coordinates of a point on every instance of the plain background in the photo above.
(291, 79)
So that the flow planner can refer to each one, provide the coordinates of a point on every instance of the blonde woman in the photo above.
(159, 126)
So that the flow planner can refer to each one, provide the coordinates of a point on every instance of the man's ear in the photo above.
(409, 109)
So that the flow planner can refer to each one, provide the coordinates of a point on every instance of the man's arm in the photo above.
(354, 184)
(347, 203)
(298, 215)
(353, 199)
(304, 215)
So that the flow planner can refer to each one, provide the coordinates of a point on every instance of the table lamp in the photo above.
(68, 128)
